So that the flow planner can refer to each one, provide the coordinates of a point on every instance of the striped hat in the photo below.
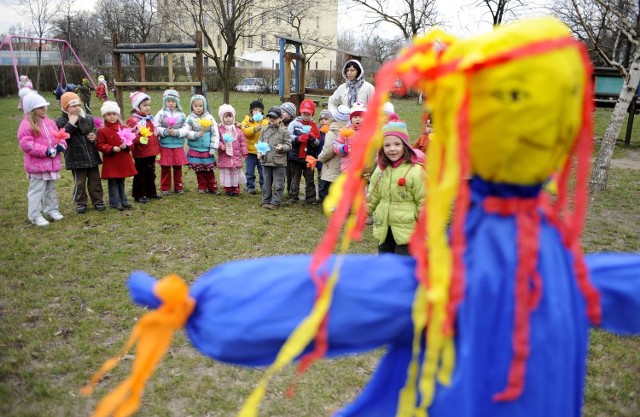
(396, 127)
(136, 98)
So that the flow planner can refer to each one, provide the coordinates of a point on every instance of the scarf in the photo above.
(354, 87)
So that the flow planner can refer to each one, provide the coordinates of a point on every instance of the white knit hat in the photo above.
(136, 98)
(341, 113)
(388, 107)
(33, 101)
(109, 107)
(226, 108)
(358, 109)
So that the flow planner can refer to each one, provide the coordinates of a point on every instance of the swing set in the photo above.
(62, 45)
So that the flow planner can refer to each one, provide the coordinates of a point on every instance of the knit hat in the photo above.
(274, 112)
(341, 113)
(325, 114)
(308, 106)
(23, 78)
(198, 97)
(289, 107)
(171, 95)
(256, 103)
(109, 107)
(388, 108)
(358, 109)
(136, 98)
(396, 127)
(69, 99)
(33, 101)
(226, 108)
(100, 77)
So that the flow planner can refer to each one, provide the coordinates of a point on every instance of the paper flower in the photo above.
(324, 128)
(126, 136)
(97, 122)
(347, 132)
(205, 123)
(171, 120)
(61, 134)
(402, 181)
(227, 138)
(257, 117)
(306, 128)
(145, 132)
(262, 147)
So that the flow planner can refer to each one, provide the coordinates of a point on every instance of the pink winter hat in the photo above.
(136, 98)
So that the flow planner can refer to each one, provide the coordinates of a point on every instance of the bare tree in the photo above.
(229, 18)
(42, 15)
(132, 20)
(378, 50)
(305, 26)
(410, 17)
(500, 9)
(605, 27)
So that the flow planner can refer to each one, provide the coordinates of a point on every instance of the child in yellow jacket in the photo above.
(251, 127)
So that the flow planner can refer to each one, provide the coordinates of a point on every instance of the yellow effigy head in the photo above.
(523, 114)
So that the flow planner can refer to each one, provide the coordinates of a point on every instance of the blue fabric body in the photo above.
(245, 311)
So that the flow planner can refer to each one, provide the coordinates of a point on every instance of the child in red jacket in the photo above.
(114, 141)
(145, 148)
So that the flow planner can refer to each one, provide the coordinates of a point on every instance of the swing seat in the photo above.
(58, 92)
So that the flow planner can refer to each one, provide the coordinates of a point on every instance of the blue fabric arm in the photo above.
(617, 277)
(140, 285)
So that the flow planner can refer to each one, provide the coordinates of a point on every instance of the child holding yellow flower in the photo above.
(202, 141)
(145, 148)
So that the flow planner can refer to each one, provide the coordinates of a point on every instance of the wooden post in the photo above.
(117, 64)
(287, 74)
(143, 70)
(199, 62)
(632, 113)
(170, 64)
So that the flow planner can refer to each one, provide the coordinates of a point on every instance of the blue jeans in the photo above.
(253, 162)
(117, 194)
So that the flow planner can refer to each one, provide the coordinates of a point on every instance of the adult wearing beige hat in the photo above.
(81, 157)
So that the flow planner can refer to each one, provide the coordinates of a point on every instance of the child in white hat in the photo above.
(42, 144)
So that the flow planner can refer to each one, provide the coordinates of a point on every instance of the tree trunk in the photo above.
(598, 180)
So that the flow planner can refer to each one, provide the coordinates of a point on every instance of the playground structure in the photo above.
(62, 79)
(297, 59)
(607, 87)
(169, 48)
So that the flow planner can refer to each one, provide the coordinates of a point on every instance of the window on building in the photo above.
(250, 19)
(264, 18)
(263, 41)
(249, 41)
(219, 41)
(230, 7)
(206, 61)
(289, 17)
(277, 19)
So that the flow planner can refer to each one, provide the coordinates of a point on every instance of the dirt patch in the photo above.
(630, 161)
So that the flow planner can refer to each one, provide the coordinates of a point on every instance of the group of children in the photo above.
(284, 146)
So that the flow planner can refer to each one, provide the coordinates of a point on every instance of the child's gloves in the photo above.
(297, 131)
(51, 152)
(59, 148)
(303, 138)
(311, 162)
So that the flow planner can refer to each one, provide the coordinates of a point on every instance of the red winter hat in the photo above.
(308, 106)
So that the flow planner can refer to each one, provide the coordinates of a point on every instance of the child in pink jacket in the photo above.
(231, 151)
(42, 144)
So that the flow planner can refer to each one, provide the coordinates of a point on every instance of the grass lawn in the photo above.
(64, 308)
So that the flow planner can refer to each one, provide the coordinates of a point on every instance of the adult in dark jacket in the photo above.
(81, 157)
